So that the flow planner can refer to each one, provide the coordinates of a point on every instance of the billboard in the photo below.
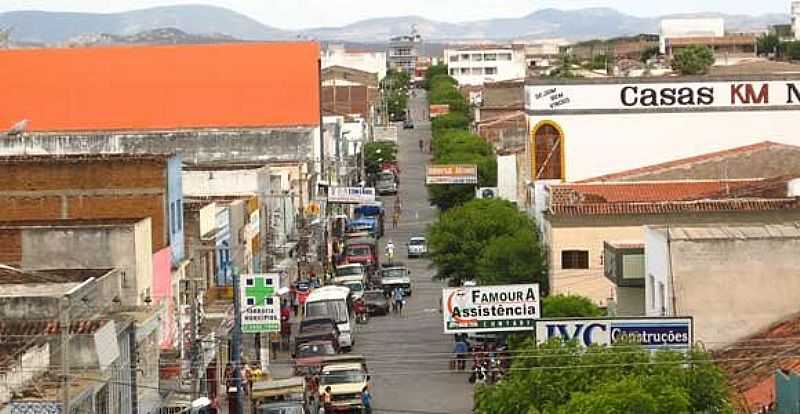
(351, 195)
(706, 95)
(260, 306)
(452, 174)
(490, 308)
(651, 333)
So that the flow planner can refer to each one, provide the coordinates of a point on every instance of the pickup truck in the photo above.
(394, 276)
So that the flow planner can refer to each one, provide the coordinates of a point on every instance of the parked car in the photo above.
(377, 302)
(417, 247)
(308, 356)
(408, 124)
(362, 251)
(318, 329)
(356, 284)
(386, 183)
(394, 276)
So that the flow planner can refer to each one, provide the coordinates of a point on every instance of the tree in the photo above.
(467, 243)
(768, 43)
(395, 87)
(569, 306)
(376, 154)
(693, 60)
(792, 50)
(648, 53)
(563, 378)
(446, 197)
(453, 120)
(432, 72)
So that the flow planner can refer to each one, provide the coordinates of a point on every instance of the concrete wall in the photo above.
(175, 201)
(630, 301)
(588, 233)
(715, 281)
(599, 144)
(507, 177)
(125, 247)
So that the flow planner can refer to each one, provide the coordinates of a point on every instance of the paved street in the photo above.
(407, 354)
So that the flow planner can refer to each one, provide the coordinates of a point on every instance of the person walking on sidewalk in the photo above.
(366, 399)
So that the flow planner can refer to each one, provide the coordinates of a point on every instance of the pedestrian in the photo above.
(327, 400)
(395, 219)
(460, 350)
(366, 399)
(398, 299)
(421, 146)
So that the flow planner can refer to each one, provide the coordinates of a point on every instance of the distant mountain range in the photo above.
(213, 22)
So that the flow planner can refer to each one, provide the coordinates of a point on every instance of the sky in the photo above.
(295, 14)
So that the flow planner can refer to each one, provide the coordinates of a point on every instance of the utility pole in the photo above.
(237, 342)
(64, 311)
(195, 367)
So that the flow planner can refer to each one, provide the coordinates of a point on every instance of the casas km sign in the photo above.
(490, 308)
(452, 174)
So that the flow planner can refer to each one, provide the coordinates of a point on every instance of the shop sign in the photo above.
(651, 333)
(260, 305)
(698, 96)
(452, 174)
(490, 308)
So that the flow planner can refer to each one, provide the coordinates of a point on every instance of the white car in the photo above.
(417, 247)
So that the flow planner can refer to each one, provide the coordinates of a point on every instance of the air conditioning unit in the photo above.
(487, 193)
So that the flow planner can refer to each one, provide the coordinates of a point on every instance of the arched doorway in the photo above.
(547, 152)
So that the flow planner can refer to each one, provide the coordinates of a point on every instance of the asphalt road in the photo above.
(408, 354)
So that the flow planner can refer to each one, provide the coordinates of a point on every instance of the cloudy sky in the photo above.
(293, 14)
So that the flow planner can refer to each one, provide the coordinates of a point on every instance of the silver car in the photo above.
(417, 247)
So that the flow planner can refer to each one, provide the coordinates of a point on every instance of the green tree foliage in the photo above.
(600, 62)
(792, 50)
(693, 60)
(468, 242)
(453, 120)
(376, 154)
(768, 43)
(432, 72)
(458, 146)
(648, 53)
(395, 86)
(444, 91)
(569, 306)
(562, 378)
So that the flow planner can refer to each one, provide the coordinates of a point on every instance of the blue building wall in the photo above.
(223, 247)
(175, 209)
(787, 393)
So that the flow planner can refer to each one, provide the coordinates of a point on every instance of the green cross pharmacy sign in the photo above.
(260, 303)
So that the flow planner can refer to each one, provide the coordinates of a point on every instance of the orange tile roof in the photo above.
(688, 162)
(630, 192)
(674, 207)
(161, 87)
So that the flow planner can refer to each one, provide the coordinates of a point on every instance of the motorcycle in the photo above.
(360, 309)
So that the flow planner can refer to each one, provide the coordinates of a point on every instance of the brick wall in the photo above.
(30, 208)
(11, 247)
(123, 206)
(43, 176)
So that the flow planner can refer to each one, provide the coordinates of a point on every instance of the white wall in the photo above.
(372, 62)
(515, 68)
(507, 177)
(220, 182)
(598, 144)
(656, 263)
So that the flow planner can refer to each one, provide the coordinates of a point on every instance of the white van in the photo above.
(332, 302)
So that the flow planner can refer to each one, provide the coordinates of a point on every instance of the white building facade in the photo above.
(479, 65)
(585, 128)
(372, 62)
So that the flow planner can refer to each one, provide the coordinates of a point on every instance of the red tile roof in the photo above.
(647, 191)
(750, 364)
(34, 328)
(161, 87)
(688, 162)
(701, 206)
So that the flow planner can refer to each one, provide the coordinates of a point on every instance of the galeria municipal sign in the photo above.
(711, 95)
(490, 308)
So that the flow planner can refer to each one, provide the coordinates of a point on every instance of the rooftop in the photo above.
(647, 191)
(715, 41)
(676, 207)
(235, 85)
(76, 158)
(750, 364)
(760, 160)
(13, 276)
(731, 232)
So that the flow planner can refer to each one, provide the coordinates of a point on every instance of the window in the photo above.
(453, 72)
(465, 71)
(454, 58)
(491, 71)
(504, 56)
(662, 295)
(651, 286)
(547, 153)
(249, 282)
(465, 56)
(490, 57)
(173, 220)
(477, 71)
(574, 259)
(477, 57)
(250, 301)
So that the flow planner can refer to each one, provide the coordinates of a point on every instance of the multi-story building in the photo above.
(477, 65)
(796, 19)
(403, 52)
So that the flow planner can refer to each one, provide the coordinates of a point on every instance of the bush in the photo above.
(693, 60)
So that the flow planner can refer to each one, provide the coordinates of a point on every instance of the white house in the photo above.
(372, 62)
(477, 65)
(682, 28)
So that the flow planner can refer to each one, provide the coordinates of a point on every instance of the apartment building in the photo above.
(477, 65)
